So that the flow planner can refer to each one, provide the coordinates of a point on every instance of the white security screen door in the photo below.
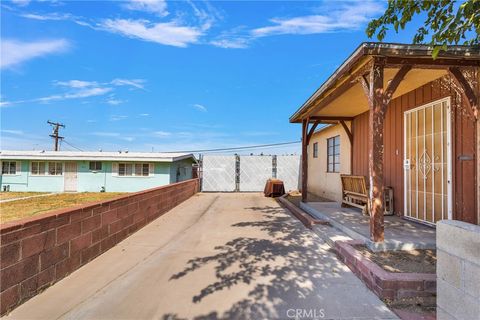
(427, 162)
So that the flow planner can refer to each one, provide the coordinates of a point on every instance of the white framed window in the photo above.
(126, 169)
(38, 168)
(11, 168)
(55, 168)
(95, 166)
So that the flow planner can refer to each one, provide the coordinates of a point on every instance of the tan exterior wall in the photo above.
(320, 182)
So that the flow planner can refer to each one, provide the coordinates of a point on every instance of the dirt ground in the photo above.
(419, 261)
(14, 195)
(14, 210)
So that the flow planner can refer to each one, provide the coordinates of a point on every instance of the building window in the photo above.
(55, 168)
(95, 166)
(333, 154)
(9, 167)
(315, 150)
(134, 169)
(38, 168)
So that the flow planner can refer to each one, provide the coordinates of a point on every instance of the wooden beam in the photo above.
(304, 160)
(393, 85)
(468, 90)
(429, 63)
(347, 131)
(329, 118)
(311, 131)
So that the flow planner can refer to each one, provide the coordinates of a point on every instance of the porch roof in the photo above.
(342, 95)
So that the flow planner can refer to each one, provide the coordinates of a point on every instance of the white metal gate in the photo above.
(254, 172)
(288, 170)
(427, 162)
(248, 173)
(218, 173)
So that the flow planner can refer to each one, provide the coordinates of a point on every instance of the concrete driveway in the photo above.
(216, 256)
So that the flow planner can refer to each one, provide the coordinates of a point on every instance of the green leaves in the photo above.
(446, 22)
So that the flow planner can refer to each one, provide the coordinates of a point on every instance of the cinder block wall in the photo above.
(458, 270)
(39, 251)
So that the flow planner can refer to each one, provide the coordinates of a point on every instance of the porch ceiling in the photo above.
(354, 102)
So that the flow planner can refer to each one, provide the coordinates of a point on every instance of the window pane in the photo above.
(59, 168)
(13, 167)
(146, 169)
(4, 167)
(121, 169)
(337, 150)
(138, 169)
(41, 168)
(330, 168)
(35, 168)
(51, 168)
(336, 159)
(128, 169)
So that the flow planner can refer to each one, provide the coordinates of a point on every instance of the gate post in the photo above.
(274, 166)
(237, 173)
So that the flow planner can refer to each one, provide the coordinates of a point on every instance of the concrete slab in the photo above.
(216, 256)
(400, 234)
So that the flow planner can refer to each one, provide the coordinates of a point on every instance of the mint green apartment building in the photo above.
(65, 171)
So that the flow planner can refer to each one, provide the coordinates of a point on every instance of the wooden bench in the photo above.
(355, 192)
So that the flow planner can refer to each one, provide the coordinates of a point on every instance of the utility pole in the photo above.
(56, 126)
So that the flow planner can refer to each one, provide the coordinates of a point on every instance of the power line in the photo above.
(72, 145)
(236, 148)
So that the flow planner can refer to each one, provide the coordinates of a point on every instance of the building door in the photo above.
(427, 162)
(70, 177)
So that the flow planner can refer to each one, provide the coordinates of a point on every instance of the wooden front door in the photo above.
(70, 177)
(427, 162)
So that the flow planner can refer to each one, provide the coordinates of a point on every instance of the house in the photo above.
(65, 171)
(403, 120)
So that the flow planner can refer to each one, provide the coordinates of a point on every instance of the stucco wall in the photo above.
(184, 173)
(458, 270)
(90, 181)
(320, 182)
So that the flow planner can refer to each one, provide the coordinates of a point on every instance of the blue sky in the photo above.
(143, 75)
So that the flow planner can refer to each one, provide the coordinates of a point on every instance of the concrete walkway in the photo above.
(216, 256)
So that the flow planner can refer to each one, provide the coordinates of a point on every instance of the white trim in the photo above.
(449, 160)
(150, 174)
(17, 165)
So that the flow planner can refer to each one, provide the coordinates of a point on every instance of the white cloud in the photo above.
(349, 16)
(137, 83)
(21, 3)
(144, 114)
(166, 33)
(14, 52)
(14, 132)
(83, 93)
(200, 107)
(162, 133)
(158, 7)
(118, 118)
(76, 83)
(233, 43)
(114, 102)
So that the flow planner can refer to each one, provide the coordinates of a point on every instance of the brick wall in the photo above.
(387, 285)
(39, 251)
(458, 270)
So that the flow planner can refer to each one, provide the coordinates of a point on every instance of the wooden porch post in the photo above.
(378, 100)
(375, 152)
(304, 159)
